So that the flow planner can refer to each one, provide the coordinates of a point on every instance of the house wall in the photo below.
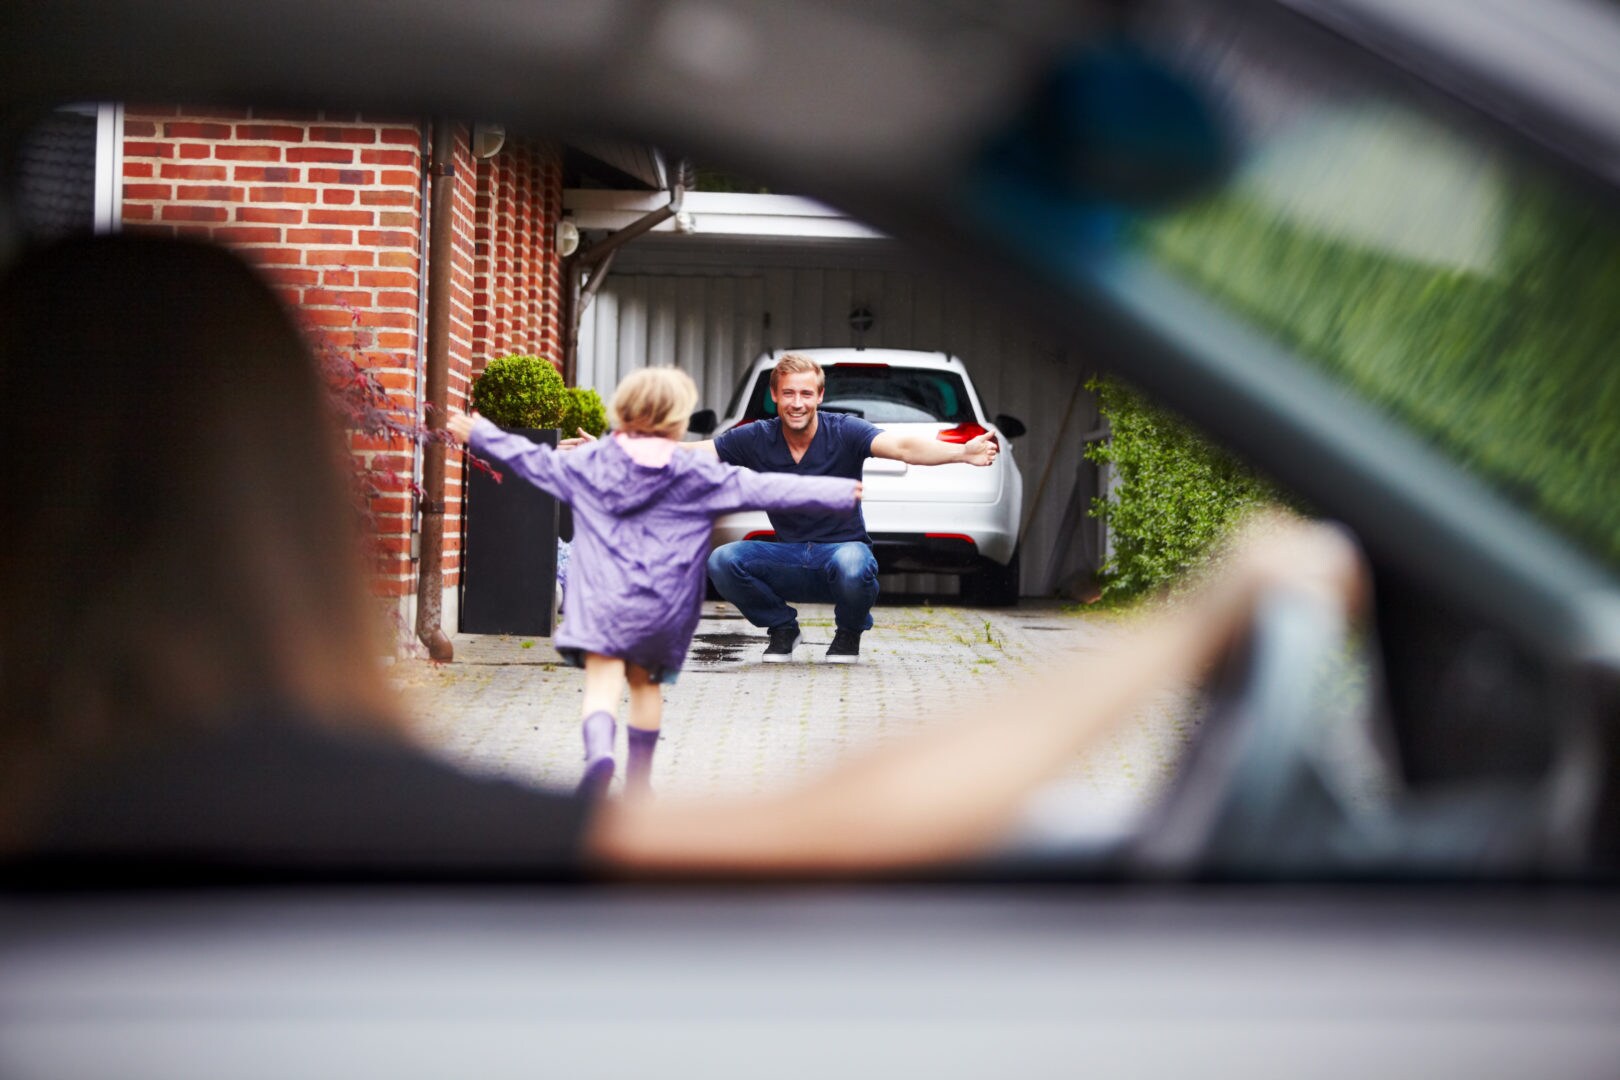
(465, 361)
(330, 208)
(518, 284)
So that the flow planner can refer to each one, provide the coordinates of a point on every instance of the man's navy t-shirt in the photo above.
(841, 446)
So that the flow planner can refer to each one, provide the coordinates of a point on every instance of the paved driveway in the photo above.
(733, 724)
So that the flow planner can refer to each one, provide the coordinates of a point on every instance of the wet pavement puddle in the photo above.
(721, 648)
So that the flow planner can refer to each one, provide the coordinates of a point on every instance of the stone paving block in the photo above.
(733, 724)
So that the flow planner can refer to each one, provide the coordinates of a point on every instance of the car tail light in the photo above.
(962, 433)
(761, 534)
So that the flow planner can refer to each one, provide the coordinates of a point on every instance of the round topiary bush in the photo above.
(521, 392)
(585, 410)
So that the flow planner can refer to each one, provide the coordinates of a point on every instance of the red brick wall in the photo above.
(519, 279)
(463, 302)
(329, 206)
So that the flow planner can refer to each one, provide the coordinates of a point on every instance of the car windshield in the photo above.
(1471, 294)
(1464, 290)
(881, 394)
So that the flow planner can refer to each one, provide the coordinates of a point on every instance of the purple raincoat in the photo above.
(641, 535)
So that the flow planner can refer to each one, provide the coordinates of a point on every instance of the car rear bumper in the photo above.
(920, 552)
(952, 544)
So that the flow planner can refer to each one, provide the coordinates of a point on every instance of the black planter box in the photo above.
(509, 551)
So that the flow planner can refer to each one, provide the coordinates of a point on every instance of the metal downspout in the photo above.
(430, 573)
(419, 354)
(571, 313)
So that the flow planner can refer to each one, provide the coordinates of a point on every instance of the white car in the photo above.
(953, 519)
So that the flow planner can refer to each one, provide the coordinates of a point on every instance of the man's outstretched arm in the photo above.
(917, 449)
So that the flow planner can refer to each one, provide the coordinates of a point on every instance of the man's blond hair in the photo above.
(794, 364)
(654, 401)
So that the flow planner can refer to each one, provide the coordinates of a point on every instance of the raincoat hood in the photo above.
(623, 485)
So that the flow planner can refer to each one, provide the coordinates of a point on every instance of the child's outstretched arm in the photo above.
(746, 489)
(531, 461)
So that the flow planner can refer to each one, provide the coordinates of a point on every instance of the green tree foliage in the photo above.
(522, 392)
(1504, 362)
(1507, 368)
(585, 411)
(1174, 494)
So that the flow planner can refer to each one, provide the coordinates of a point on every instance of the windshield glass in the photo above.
(401, 274)
(1471, 294)
(881, 394)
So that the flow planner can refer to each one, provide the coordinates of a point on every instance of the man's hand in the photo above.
(574, 442)
(981, 451)
(858, 489)
(915, 449)
(459, 425)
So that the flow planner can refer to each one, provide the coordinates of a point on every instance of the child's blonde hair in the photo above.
(654, 401)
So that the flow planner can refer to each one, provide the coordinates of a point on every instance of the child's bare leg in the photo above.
(646, 716)
(646, 699)
(604, 684)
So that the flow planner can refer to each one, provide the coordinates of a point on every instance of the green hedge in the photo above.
(1174, 494)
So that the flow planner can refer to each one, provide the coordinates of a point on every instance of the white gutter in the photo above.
(711, 213)
(109, 206)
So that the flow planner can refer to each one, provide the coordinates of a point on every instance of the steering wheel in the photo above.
(1291, 776)
(1285, 760)
(1288, 772)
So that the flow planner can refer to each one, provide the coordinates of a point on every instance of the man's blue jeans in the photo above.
(760, 576)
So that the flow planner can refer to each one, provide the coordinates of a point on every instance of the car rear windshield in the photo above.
(880, 393)
(1471, 293)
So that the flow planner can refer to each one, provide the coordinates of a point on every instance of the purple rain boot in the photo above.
(638, 771)
(599, 729)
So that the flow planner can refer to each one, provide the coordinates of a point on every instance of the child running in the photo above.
(642, 517)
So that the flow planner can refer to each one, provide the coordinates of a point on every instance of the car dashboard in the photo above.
(967, 980)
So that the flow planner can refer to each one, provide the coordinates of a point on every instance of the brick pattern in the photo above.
(463, 302)
(519, 275)
(330, 207)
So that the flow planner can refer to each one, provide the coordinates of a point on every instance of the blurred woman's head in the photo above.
(178, 538)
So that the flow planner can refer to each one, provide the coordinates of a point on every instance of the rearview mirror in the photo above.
(703, 422)
(1010, 426)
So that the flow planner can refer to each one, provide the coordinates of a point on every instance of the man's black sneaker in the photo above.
(783, 640)
(845, 647)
